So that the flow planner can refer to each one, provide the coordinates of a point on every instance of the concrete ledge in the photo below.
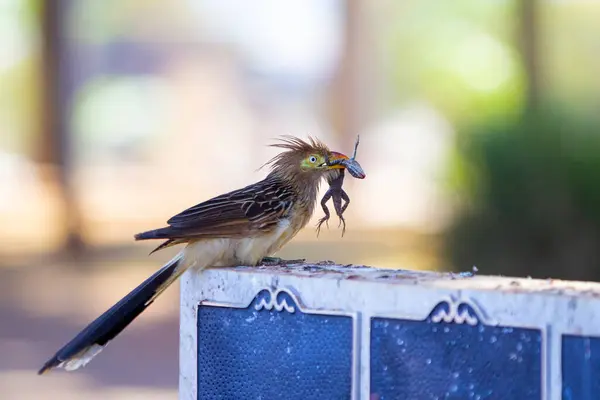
(328, 331)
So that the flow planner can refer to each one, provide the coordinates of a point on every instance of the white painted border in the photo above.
(568, 308)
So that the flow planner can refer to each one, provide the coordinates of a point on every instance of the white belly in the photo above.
(232, 252)
(251, 250)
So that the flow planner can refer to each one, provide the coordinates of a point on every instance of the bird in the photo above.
(242, 227)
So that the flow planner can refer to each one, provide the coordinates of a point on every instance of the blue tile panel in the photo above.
(245, 353)
(448, 360)
(580, 368)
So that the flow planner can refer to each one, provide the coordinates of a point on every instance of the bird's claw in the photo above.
(272, 261)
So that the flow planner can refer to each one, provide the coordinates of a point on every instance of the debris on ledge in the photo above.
(451, 280)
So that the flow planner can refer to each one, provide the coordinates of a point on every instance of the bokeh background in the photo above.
(479, 127)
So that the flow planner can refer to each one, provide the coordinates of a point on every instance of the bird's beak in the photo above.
(339, 161)
(334, 156)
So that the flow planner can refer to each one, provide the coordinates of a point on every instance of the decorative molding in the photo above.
(274, 303)
(460, 311)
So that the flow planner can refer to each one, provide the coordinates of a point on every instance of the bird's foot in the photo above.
(271, 261)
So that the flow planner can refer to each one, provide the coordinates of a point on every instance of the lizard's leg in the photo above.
(344, 196)
(325, 210)
(343, 224)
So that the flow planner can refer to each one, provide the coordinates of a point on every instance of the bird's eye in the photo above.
(312, 159)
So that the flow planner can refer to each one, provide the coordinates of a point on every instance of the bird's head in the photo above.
(304, 160)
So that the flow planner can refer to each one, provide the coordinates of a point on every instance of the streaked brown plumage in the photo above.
(237, 228)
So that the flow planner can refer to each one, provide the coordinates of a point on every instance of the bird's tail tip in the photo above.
(93, 338)
(44, 369)
(73, 363)
(49, 366)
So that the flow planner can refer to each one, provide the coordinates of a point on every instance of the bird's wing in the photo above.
(253, 209)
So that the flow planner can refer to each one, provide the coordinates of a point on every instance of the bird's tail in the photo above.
(91, 340)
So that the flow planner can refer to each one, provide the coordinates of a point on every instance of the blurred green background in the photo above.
(479, 135)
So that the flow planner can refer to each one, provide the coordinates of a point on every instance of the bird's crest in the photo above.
(295, 148)
(292, 143)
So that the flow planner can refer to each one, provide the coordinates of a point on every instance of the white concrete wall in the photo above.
(554, 307)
